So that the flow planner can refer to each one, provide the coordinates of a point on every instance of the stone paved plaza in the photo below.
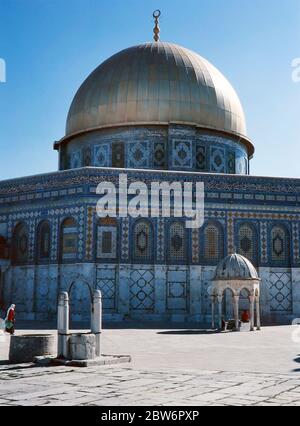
(170, 367)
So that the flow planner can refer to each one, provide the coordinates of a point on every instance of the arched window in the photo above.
(177, 241)
(279, 244)
(87, 157)
(213, 243)
(247, 242)
(143, 240)
(118, 155)
(20, 244)
(107, 234)
(69, 240)
(43, 241)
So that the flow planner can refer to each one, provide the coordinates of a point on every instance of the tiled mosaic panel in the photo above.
(182, 154)
(81, 242)
(89, 238)
(177, 291)
(217, 160)
(230, 234)
(80, 302)
(55, 238)
(76, 160)
(195, 245)
(106, 283)
(281, 298)
(45, 293)
(139, 155)
(241, 165)
(3, 229)
(264, 242)
(142, 290)
(295, 237)
(102, 155)
(19, 282)
(31, 240)
(125, 239)
(160, 249)
(207, 276)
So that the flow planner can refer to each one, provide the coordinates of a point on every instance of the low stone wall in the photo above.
(25, 348)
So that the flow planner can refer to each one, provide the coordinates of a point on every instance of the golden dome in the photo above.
(157, 83)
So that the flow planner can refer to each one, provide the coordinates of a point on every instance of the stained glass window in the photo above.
(43, 241)
(177, 241)
(20, 244)
(107, 238)
(143, 240)
(279, 244)
(247, 242)
(200, 157)
(87, 157)
(213, 243)
(118, 155)
(69, 239)
(231, 163)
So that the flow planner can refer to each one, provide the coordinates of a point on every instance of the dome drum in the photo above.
(173, 147)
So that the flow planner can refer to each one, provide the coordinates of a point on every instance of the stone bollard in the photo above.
(97, 320)
(63, 326)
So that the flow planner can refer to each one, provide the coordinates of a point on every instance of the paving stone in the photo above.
(155, 383)
(142, 387)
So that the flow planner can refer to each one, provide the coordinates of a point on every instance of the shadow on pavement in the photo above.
(186, 332)
(297, 359)
(124, 325)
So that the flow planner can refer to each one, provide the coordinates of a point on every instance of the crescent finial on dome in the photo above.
(156, 30)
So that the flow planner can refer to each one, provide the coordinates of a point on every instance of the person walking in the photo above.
(10, 320)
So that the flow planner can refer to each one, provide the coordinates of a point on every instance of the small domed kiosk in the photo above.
(236, 273)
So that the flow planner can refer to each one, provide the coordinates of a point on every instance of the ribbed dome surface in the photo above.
(234, 267)
(156, 83)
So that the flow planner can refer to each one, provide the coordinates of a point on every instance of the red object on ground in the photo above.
(246, 316)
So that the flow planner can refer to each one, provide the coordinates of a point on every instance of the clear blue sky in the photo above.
(51, 46)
